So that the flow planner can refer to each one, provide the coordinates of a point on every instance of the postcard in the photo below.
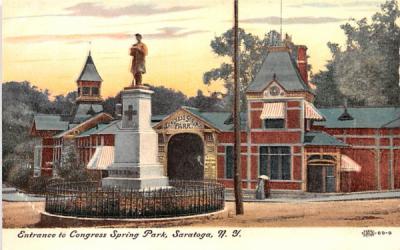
(202, 124)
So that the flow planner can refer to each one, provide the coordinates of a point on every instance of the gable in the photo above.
(274, 90)
(183, 120)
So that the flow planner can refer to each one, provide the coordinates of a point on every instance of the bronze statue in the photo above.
(138, 52)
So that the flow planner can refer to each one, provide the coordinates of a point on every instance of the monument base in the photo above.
(140, 86)
(135, 183)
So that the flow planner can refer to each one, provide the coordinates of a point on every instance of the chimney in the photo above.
(302, 62)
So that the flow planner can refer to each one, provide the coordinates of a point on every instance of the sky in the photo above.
(46, 42)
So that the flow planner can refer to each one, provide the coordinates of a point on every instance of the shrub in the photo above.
(70, 168)
(19, 176)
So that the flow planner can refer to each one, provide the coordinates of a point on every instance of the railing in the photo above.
(180, 198)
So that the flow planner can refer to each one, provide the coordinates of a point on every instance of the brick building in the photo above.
(284, 136)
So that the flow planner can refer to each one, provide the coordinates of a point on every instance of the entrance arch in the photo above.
(185, 157)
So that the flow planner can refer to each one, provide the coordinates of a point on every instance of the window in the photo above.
(95, 91)
(229, 162)
(274, 123)
(85, 91)
(79, 91)
(275, 162)
(208, 137)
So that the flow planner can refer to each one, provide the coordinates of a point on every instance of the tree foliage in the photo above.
(210, 103)
(166, 100)
(21, 101)
(366, 70)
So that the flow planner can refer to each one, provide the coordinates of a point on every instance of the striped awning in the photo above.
(102, 158)
(349, 165)
(311, 112)
(273, 110)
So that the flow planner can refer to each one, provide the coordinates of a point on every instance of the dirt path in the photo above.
(21, 214)
(316, 214)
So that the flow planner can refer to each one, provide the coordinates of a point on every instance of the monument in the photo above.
(138, 52)
(136, 163)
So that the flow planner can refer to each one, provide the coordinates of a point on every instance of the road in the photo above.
(305, 214)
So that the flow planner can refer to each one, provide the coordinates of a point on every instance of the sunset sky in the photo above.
(46, 41)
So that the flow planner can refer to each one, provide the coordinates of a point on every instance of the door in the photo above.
(315, 179)
(321, 178)
(330, 185)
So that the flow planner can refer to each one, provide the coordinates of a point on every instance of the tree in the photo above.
(366, 71)
(210, 103)
(64, 104)
(327, 92)
(21, 101)
(166, 100)
(109, 104)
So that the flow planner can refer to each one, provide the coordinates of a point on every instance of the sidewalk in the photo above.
(13, 195)
(373, 195)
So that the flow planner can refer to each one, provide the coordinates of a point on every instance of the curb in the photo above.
(53, 220)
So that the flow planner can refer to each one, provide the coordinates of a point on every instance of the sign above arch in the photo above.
(183, 120)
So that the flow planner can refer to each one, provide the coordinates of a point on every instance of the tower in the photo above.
(89, 83)
(89, 100)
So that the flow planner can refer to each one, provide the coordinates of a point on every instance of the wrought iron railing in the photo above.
(180, 198)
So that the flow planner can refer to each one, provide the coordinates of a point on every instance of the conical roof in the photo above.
(89, 71)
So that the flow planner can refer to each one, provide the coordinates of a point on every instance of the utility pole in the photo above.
(236, 116)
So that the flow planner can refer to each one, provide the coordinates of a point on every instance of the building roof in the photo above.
(86, 125)
(101, 128)
(279, 66)
(363, 117)
(89, 71)
(319, 138)
(50, 122)
(393, 124)
(217, 119)
(83, 111)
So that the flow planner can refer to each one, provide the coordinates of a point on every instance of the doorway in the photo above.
(185, 157)
(321, 178)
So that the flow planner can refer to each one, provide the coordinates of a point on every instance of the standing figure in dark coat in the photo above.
(138, 52)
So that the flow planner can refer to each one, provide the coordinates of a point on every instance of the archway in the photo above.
(185, 157)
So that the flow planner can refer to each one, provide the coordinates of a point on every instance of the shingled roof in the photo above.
(89, 71)
(84, 111)
(49, 122)
(279, 66)
(363, 117)
(319, 138)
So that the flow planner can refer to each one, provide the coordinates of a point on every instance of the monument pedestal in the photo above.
(136, 163)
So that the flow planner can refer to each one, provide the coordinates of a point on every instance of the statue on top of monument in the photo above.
(138, 52)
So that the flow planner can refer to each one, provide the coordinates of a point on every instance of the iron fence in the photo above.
(180, 198)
